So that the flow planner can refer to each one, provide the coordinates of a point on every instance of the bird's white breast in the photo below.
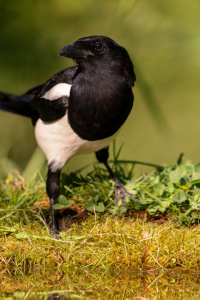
(59, 142)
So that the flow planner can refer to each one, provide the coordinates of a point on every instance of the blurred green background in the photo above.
(162, 38)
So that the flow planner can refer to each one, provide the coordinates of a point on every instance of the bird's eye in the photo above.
(98, 46)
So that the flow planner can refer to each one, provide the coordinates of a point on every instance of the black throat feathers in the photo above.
(100, 101)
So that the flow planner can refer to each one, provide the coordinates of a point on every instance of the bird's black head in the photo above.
(100, 51)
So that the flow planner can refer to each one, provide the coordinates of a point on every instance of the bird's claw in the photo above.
(121, 192)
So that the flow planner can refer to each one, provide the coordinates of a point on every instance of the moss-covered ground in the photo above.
(151, 250)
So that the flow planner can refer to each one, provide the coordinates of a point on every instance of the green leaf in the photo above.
(69, 203)
(153, 209)
(197, 168)
(130, 186)
(185, 169)
(58, 206)
(189, 168)
(21, 235)
(170, 187)
(194, 205)
(90, 205)
(69, 190)
(142, 194)
(63, 200)
(96, 198)
(137, 205)
(100, 207)
(197, 195)
(152, 179)
(143, 202)
(188, 212)
(113, 210)
(165, 204)
(175, 176)
(119, 203)
(183, 181)
(162, 209)
(123, 210)
(128, 199)
(147, 200)
(157, 179)
(180, 197)
(195, 176)
(159, 189)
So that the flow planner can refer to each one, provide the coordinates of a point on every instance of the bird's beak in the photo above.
(73, 51)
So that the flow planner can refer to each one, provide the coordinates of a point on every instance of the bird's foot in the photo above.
(121, 193)
(55, 233)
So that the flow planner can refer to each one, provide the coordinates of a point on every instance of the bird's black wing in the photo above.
(54, 108)
(33, 106)
(18, 105)
(36, 90)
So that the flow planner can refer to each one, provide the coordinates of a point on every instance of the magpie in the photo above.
(80, 109)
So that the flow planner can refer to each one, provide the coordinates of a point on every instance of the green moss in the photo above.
(104, 243)
(110, 250)
(110, 253)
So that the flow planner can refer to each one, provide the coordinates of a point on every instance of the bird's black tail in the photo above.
(16, 104)
(20, 104)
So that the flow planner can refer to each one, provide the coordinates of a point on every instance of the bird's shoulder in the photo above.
(63, 77)
(51, 99)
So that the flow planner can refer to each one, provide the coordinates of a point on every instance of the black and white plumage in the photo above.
(80, 109)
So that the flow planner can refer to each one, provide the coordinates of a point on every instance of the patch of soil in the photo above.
(159, 218)
(70, 215)
(77, 214)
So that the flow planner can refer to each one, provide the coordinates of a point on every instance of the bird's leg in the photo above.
(120, 191)
(53, 188)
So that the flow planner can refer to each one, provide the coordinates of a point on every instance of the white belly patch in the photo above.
(59, 142)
